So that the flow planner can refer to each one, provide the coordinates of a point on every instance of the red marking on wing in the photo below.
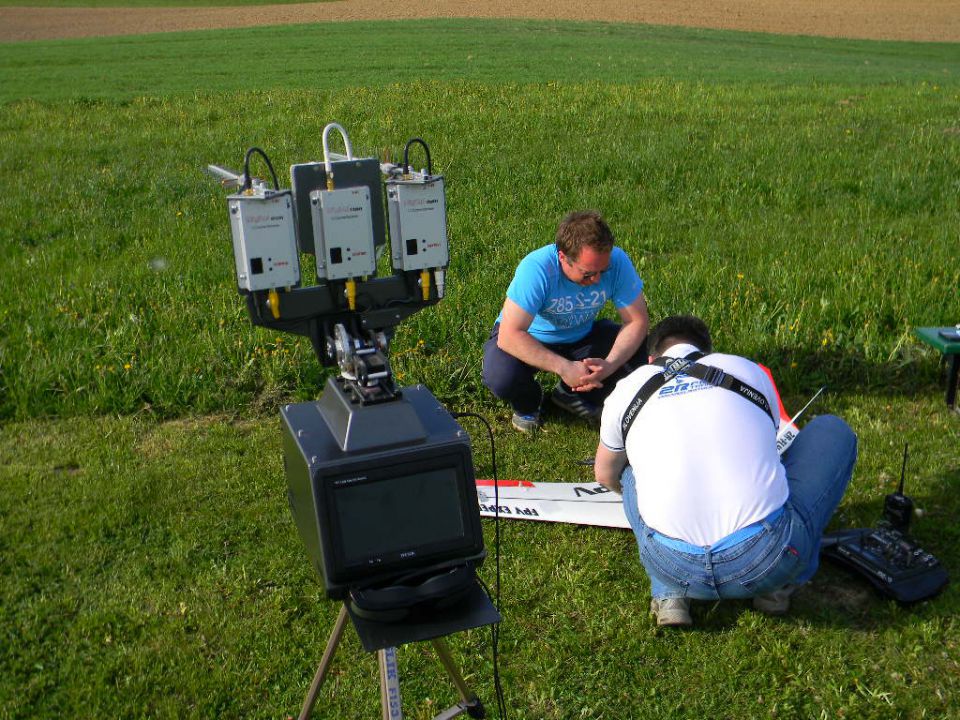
(783, 413)
(505, 483)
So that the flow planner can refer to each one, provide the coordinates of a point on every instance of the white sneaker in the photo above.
(671, 612)
(776, 602)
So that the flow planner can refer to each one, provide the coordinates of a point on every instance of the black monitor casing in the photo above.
(349, 468)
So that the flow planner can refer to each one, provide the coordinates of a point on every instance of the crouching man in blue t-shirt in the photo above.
(549, 322)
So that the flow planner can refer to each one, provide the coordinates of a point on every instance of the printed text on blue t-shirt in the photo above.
(569, 311)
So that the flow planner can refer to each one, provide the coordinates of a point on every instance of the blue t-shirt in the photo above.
(563, 311)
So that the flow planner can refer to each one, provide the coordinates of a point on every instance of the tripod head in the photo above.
(334, 211)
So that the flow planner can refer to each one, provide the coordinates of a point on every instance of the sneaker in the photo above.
(671, 612)
(575, 404)
(526, 423)
(776, 602)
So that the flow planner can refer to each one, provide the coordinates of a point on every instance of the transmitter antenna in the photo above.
(809, 403)
(903, 469)
(897, 507)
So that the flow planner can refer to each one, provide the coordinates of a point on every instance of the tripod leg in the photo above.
(389, 684)
(469, 702)
(328, 654)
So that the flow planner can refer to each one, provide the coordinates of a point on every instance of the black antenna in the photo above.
(903, 470)
(897, 507)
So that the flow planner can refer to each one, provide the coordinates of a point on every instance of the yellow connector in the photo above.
(330, 181)
(351, 291)
(425, 284)
(273, 301)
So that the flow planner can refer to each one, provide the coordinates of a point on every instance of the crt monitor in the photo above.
(374, 514)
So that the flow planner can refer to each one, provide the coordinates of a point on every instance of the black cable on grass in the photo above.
(247, 180)
(495, 645)
(495, 598)
(496, 493)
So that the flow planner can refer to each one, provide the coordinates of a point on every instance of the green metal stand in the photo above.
(951, 355)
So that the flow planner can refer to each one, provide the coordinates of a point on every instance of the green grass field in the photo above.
(799, 194)
(338, 56)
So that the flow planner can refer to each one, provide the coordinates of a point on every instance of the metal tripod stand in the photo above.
(390, 680)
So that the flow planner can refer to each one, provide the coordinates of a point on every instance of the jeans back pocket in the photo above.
(775, 571)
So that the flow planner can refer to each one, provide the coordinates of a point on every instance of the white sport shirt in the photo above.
(704, 458)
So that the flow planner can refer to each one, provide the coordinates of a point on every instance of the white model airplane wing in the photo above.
(576, 503)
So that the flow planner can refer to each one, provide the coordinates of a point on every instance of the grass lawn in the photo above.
(152, 569)
(799, 194)
(493, 52)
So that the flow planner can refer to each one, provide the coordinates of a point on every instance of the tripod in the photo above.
(390, 679)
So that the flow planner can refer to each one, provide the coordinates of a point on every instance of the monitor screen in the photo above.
(381, 517)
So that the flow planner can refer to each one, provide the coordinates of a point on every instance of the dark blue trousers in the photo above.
(513, 380)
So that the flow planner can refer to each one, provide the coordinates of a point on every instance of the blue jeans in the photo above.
(787, 551)
(511, 379)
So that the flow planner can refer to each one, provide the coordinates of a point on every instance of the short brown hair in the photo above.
(680, 328)
(583, 228)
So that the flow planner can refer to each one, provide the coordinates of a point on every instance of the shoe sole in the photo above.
(526, 430)
(674, 622)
